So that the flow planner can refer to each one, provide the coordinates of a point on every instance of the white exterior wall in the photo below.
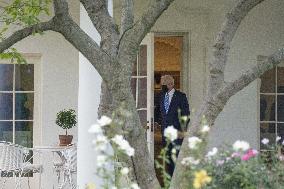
(261, 33)
(56, 76)
(88, 103)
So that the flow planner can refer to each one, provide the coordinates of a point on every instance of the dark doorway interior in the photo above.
(168, 60)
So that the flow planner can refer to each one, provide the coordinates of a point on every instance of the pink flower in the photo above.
(245, 157)
(235, 154)
(250, 153)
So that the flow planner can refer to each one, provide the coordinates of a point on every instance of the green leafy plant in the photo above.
(66, 119)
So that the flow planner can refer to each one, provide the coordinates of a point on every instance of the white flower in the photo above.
(171, 133)
(283, 142)
(220, 162)
(190, 160)
(265, 141)
(241, 145)
(193, 141)
(174, 151)
(95, 129)
(104, 121)
(184, 118)
(205, 129)
(101, 160)
(123, 145)
(278, 138)
(213, 152)
(134, 186)
(100, 142)
(124, 171)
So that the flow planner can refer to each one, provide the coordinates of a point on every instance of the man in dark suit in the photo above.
(173, 104)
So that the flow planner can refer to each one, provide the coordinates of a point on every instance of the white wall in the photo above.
(261, 33)
(58, 81)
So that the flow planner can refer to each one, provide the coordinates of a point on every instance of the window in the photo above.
(17, 103)
(272, 105)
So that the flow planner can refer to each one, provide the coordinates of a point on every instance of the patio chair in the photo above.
(15, 162)
(66, 168)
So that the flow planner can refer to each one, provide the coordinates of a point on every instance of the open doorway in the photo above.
(168, 60)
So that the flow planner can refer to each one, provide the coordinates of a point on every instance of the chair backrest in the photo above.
(11, 156)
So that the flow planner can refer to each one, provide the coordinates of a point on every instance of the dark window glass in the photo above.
(267, 107)
(267, 130)
(24, 106)
(6, 106)
(24, 77)
(6, 77)
(6, 131)
(268, 81)
(24, 133)
(142, 93)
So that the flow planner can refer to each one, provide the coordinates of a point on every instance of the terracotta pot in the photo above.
(65, 140)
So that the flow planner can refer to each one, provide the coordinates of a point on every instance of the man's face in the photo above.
(167, 82)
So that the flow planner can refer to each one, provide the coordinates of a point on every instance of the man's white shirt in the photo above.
(171, 94)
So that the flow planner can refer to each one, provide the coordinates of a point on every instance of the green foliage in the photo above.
(13, 55)
(25, 12)
(66, 119)
(21, 13)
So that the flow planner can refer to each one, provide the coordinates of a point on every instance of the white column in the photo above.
(88, 103)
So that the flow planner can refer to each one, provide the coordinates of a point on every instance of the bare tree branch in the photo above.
(132, 38)
(25, 32)
(223, 41)
(79, 39)
(104, 23)
(127, 16)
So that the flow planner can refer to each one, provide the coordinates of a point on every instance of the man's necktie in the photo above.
(166, 102)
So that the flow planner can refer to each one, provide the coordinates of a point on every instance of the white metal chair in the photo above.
(15, 162)
(66, 168)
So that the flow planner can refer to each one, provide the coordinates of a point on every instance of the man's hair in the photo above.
(167, 79)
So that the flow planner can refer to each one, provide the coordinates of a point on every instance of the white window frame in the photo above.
(32, 58)
(275, 94)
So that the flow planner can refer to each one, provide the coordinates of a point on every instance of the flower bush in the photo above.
(107, 166)
(230, 167)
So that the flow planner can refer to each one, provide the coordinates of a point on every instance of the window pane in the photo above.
(134, 69)
(133, 87)
(6, 131)
(142, 93)
(142, 60)
(6, 77)
(24, 133)
(267, 130)
(24, 77)
(267, 108)
(24, 106)
(268, 82)
(143, 117)
(6, 106)
(280, 131)
(280, 108)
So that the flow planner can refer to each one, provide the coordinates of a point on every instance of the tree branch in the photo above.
(25, 32)
(80, 40)
(127, 16)
(104, 23)
(223, 41)
(131, 40)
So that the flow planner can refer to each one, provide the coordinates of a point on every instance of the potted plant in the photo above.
(66, 119)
